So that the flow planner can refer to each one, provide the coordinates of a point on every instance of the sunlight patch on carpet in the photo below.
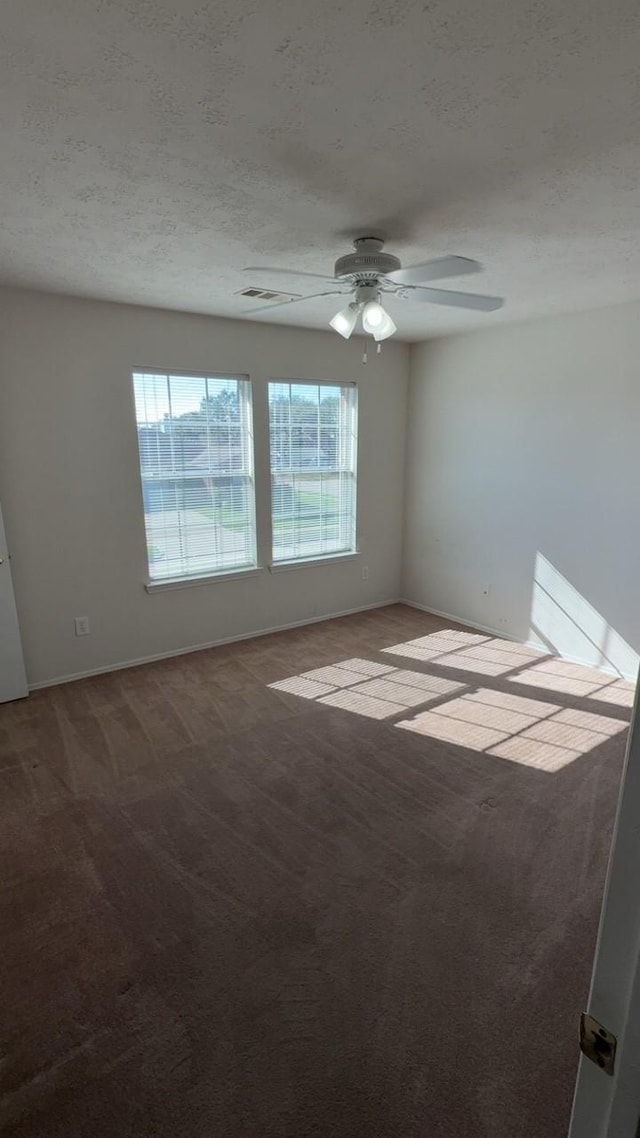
(364, 687)
(526, 731)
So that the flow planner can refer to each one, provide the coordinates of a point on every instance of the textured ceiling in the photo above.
(150, 148)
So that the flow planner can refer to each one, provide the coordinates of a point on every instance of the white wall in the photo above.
(70, 487)
(523, 467)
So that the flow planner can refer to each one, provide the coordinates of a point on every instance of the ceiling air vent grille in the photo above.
(267, 294)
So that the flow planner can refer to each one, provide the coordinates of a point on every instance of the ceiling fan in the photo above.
(369, 272)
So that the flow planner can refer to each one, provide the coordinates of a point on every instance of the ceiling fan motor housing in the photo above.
(368, 261)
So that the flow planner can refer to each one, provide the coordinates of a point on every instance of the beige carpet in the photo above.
(239, 900)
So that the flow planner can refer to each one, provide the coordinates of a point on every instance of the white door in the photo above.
(13, 680)
(608, 1106)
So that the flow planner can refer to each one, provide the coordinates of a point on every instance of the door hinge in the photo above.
(598, 1044)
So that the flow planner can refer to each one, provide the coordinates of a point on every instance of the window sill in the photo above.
(311, 562)
(162, 586)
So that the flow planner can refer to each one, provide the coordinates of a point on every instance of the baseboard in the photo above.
(69, 679)
(632, 677)
(459, 620)
(528, 643)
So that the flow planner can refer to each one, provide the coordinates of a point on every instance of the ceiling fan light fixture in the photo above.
(387, 329)
(376, 321)
(373, 316)
(345, 321)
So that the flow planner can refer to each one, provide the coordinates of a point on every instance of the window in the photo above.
(313, 436)
(196, 462)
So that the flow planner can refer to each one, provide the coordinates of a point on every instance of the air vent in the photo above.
(266, 294)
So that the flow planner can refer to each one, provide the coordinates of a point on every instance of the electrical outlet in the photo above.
(81, 625)
(486, 589)
(365, 572)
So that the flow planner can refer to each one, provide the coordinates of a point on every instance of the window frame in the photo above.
(316, 558)
(232, 572)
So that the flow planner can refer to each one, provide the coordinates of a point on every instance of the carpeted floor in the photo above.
(240, 901)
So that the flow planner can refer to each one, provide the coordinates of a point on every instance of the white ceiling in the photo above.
(150, 149)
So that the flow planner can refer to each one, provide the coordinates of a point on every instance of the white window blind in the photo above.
(196, 462)
(313, 437)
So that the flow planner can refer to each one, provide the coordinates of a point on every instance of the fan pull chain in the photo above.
(364, 356)
(379, 349)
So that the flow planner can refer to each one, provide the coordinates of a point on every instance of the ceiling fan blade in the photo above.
(294, 300)
(455, 299)
(285, 272)
(434, 270)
